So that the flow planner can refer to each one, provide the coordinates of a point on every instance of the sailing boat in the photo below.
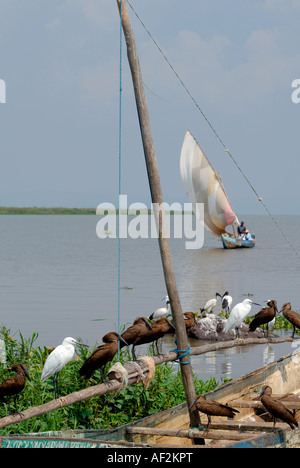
(203, 185)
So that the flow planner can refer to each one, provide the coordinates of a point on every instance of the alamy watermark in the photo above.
(2, 352)
(296, 92)
(138, 221)
(2, 92)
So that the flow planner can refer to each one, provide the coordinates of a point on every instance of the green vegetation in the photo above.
(281, 323)
(46, 211)
(107, 411)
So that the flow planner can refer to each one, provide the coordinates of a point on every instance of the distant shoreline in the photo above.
(71, 211)
(46, 211)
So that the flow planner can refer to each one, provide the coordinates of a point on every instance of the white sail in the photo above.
(202, 185)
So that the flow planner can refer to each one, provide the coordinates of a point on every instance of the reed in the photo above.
(107, 411)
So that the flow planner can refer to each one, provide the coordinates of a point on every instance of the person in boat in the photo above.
(248, 236)
(241, 229)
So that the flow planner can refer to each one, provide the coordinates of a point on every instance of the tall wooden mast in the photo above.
(157, 200)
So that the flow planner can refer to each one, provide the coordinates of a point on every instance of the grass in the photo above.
(281, 323)
(106, 412)
(46, 211)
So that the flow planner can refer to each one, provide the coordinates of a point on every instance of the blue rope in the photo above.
(120, 178)
(181, 354)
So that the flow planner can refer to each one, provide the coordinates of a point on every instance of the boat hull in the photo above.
(250, 429)
(237, 243)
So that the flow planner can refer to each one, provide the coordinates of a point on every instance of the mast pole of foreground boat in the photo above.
(157, 200)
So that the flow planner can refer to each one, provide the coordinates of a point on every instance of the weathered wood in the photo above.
(157, 200)
(188, 433)
(246, 425)
(219, 346)
(253, 404)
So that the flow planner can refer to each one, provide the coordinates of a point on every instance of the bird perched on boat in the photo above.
(276, 408)
(265, 316)
(210, 304)
(102, 355)
(226, 301)
(15, 384)
(213, 408)
(57, 360)
(139, 328)
(159, 329)
(189, 320)
(291, 316)
(162, 312)
(238, 315)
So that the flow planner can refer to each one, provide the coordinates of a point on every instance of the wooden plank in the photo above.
(247, 425)
(255, 404)
(188, 433)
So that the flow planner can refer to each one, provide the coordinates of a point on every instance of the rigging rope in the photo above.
(120, 174)
(218, 137)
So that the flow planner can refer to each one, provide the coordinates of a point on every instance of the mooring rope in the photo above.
(181, 354)
(218, 137)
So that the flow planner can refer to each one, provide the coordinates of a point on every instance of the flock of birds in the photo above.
(150, 330)
(265, 317)
(143, 331)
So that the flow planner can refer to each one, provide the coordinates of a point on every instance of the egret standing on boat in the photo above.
(57, 360)
(238, 315)
(162, 312)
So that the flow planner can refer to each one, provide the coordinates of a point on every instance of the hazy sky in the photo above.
(59, 125)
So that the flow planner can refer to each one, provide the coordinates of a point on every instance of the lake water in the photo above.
(59, 279)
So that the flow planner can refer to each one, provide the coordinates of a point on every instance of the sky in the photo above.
(60, 61)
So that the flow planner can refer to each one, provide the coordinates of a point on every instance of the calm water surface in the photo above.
(59, 279)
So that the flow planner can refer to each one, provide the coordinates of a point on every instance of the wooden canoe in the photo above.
(252, 428)
(230, 242)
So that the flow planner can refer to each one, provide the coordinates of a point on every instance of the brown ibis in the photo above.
(276, 408)
(189, 320)
(264, 316)
(140, 327)
(213, 408)
(15, 384)
(102, 355)
(291, 316)
(159, 329)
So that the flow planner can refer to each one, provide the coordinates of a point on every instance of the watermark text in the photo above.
(137, 221)
(2, 92)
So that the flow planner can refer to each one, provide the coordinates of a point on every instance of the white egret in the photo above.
(162, 312)
(238, 315)
(59, 357)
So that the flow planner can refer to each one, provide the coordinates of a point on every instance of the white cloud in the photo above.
(260, 70)
(281, 6)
